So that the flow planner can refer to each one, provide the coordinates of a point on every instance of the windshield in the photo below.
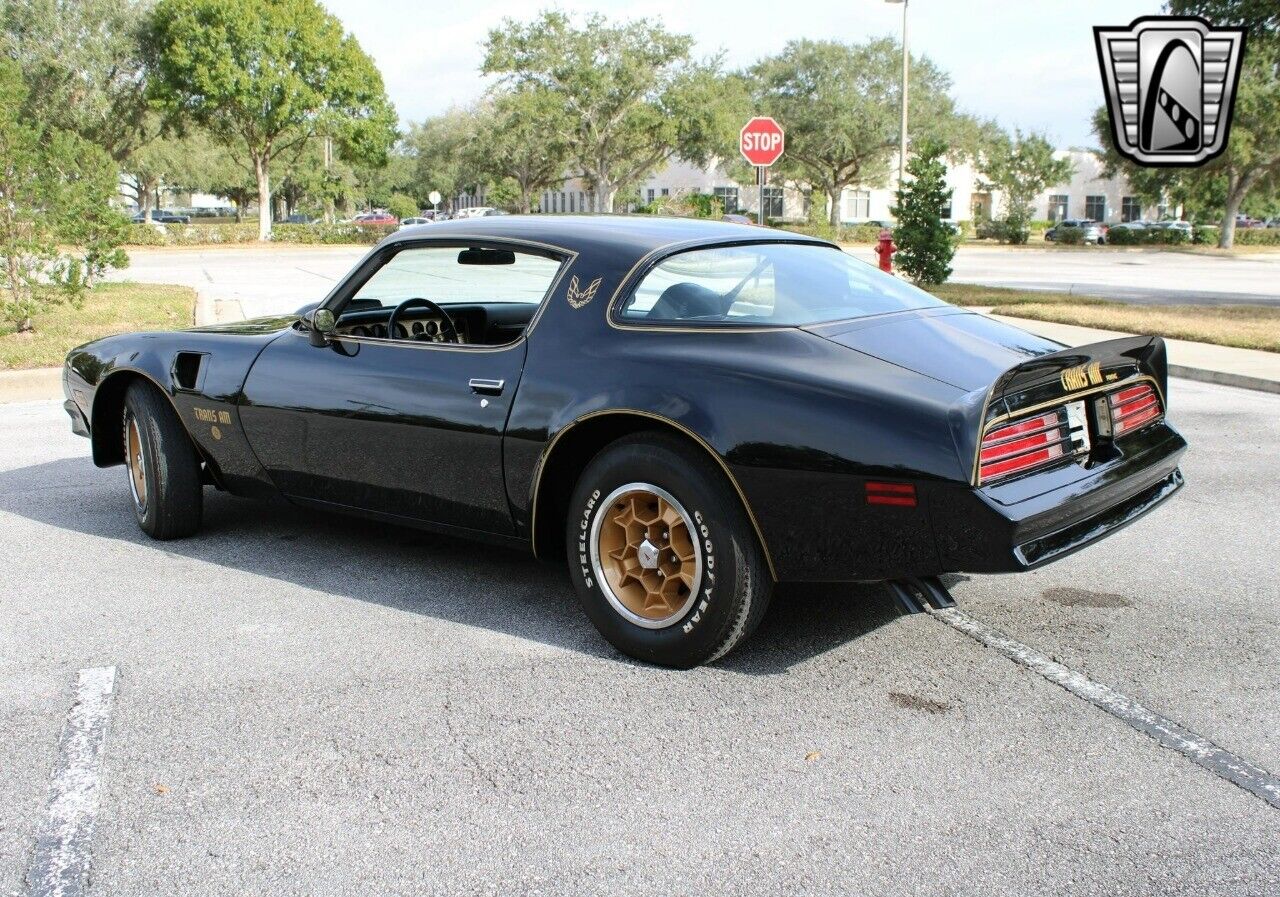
(782, 284)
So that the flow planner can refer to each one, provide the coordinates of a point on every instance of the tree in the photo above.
(841, 105)
(925, 242)
(438, 146)
(628, 97)
(513, 141)
(82, 63)
(1021, 168)
(266, 76)
(57, 228)
(1251, 159)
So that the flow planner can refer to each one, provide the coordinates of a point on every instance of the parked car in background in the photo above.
(1138, 224)
(735, 218)
(1273, 222)
(1246, 221)
(415, 221)
(473, 212)
(1088, 231)
(1184, 226)
(300, 219)
(376, 218)
(162, 216)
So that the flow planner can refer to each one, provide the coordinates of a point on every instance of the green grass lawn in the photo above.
(108, 308)
(1240, 326)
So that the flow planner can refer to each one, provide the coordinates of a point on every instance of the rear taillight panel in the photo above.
(1021, 446)
(1072, 429)
(1132, 408)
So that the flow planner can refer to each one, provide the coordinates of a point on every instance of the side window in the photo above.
(717, 284)
(455, 275)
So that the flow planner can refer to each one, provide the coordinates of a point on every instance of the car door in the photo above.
(407, 429)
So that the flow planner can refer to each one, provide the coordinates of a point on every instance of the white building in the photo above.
(1087, 195)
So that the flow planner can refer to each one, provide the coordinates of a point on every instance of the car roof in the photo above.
(635, 235)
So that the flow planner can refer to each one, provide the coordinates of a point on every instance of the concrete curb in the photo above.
(30, 385)
(1222, 378)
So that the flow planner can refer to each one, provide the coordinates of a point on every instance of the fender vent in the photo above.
(187, 369)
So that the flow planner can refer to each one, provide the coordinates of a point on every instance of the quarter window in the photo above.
(782, 284)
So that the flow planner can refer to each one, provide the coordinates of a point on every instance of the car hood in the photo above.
(958, 347)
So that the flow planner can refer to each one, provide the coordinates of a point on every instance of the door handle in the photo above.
(486, 387)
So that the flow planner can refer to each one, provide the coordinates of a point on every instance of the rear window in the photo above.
(781, 284)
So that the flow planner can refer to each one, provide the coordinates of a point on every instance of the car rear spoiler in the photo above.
(1046, 379)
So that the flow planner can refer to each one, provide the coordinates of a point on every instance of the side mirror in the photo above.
(320, 326)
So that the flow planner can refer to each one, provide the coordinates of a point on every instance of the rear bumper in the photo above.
(982, 531)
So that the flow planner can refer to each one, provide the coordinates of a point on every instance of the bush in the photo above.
(1069, 236)
(846, 233)
(1205, 234)
(1255, 236)
(1006, 230)
(206, 234)
(330, 234)
(1151, 236)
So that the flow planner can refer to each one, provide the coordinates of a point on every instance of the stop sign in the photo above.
(761, 141)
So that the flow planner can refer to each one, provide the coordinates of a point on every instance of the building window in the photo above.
(772, 202)
(582, 201)
(1058, 206)
(571, 202)
(946, 211)
(666, 191)
(650, 194)
(728, 197)
(858, 203)
(1130, 208)
(1095, 208)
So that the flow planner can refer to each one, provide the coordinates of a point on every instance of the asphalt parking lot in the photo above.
(275, 279)
(321, 706)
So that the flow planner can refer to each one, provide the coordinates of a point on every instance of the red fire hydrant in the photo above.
(885, 249)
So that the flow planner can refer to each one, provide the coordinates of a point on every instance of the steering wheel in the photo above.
(448, 332)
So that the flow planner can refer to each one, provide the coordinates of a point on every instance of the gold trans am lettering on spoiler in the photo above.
(1081, 376)
(579, 297)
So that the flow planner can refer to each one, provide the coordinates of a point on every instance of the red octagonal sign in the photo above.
(761, 141)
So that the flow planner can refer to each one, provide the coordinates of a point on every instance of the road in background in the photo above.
(315, 705)
(276, 279)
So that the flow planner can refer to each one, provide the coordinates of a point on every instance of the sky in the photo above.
(1029, 64)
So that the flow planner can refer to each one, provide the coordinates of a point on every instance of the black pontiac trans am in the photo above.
(687, 412)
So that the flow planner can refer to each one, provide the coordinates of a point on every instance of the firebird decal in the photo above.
(579, 297)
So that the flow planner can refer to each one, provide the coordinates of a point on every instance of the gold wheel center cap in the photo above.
(648, 554)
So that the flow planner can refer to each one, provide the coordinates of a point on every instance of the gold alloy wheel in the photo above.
(137, 468)
(646, 555)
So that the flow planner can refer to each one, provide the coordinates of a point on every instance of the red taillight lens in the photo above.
(1133, 407)
(1022, 446)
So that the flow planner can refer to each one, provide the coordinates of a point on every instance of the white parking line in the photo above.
(1198, 750)
(61, 864)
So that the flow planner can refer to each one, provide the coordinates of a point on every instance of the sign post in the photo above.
(761, 143)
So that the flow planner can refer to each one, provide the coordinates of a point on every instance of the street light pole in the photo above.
(906, 58)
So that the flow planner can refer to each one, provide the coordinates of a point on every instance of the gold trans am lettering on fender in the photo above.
(209, 416)
(579, 297)
(1081, 376)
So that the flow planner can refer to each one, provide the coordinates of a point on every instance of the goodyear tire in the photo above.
(164, 469)
(662, 554)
